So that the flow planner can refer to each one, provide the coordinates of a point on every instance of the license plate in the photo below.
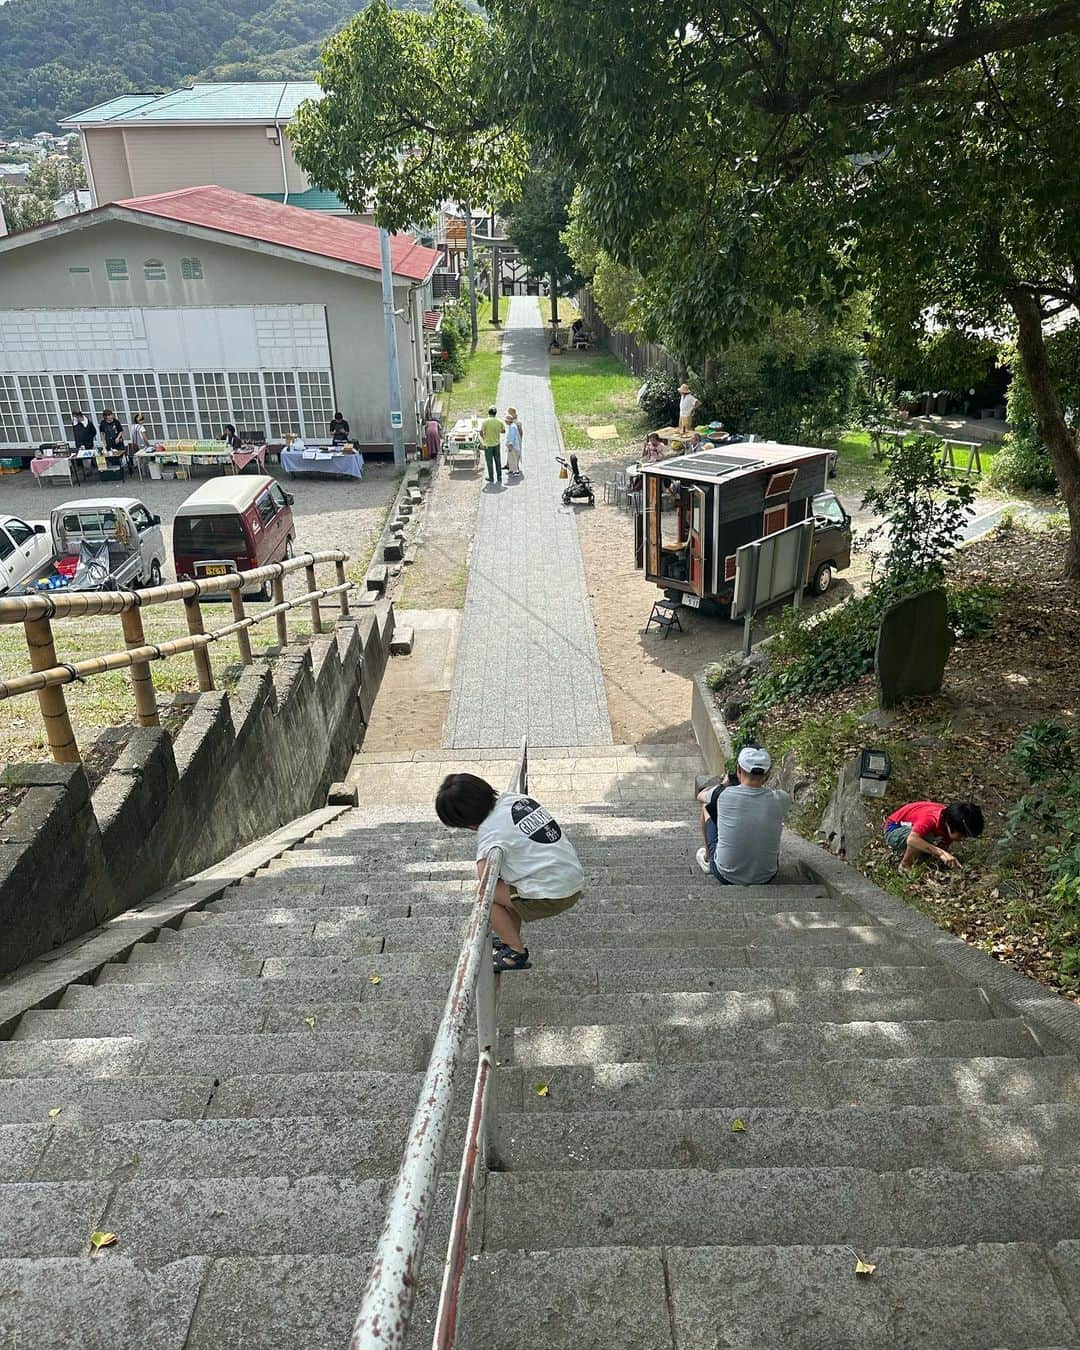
(692, 601)
(215, 571)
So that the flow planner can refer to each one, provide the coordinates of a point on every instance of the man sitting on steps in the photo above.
(742, 823)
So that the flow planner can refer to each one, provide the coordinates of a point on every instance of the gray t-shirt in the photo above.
(748, 825)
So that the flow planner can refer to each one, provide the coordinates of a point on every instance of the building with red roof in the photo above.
(205, 306)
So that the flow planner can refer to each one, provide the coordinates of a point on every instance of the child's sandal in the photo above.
(508, 959)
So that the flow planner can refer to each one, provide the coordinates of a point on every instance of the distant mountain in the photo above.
(59, 56)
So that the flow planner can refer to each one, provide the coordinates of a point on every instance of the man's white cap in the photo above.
(752, 759)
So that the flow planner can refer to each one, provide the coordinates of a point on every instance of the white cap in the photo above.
(752, 759)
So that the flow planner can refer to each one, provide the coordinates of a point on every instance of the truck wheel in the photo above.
(822, 579)
(155, 573)
(288, 548)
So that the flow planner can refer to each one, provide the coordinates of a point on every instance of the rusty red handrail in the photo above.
(383, 1320)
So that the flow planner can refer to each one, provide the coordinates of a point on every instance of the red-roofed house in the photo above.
(205, 306)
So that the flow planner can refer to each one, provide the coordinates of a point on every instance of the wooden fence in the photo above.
(638, 357)
(48, 676)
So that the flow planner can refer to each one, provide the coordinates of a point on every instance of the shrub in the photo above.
(1022, 465)
(659, 397)
(973, 609)
(452, 355)
(925, 510)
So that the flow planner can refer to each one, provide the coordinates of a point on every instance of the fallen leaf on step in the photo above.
(55, 1112)
(99, 1240)
(738, 1126)
(542, 1089)
(864, 1267)
(310, 1022)
(376, 979)
(858, 970)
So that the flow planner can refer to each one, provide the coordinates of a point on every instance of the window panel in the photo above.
(72, 397)
(316, 401)
(281, 405)
(12, 426)
(246, 396)
(41, 417)
(116, 269)
(178, 406)
(106, 391)
(191, 269)
(142, 397)
(154, 269)
(212, 401)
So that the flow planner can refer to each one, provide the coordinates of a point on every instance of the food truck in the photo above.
(697, 510)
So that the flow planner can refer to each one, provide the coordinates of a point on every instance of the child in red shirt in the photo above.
(923, 829)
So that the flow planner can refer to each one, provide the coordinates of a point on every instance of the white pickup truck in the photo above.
(25, 548)
(101, 544)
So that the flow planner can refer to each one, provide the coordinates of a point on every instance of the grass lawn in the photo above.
(857, 470)
(596, 389)
(106, 700)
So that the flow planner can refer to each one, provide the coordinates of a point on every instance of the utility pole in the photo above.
(472, 274)
(397, 421)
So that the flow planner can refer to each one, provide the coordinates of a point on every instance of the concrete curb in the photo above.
(1051, 1017)
(41, 983)
(710, 729)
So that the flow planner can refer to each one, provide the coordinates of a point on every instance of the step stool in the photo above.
(665, 614)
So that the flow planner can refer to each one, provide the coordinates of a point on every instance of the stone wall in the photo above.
(243, 764)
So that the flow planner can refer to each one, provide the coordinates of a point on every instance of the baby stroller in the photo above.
(580, 488)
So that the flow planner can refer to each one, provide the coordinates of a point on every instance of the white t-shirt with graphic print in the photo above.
(539, 860)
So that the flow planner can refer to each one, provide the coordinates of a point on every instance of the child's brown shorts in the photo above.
(527, 910)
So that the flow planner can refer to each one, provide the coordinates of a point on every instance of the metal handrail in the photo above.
(383, 1320)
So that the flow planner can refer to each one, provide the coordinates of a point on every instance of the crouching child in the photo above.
(541, 874)
(922, 831)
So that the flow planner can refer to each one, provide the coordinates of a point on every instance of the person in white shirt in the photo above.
(688, 405)
(541, 874)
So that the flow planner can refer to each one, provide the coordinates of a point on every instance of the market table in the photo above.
(462, 443)
(350, 465)
(65, 468)
(200, 456)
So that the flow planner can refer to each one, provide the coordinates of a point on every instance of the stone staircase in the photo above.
(231, 1102)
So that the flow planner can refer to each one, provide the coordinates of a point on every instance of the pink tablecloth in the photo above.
(41, 464)
(242, 458)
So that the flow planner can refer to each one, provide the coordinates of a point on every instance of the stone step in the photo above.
(774, 1298)
(301, 1049)
(990, 1138)
(426, 961)
(555, 986)
(728, 1010)
(919, 1207)
(159, 1220)
(404, 1045)
(547, 1047)
(175, 1097)
(802, 1083)
(882, 1138)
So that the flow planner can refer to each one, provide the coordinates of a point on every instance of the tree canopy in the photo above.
(754, 158)
(412, 115)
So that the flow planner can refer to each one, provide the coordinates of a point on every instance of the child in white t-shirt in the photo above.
(541, 874)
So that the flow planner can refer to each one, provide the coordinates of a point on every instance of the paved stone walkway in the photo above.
(527, 658)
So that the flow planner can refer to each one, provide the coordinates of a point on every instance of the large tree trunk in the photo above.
(1060, 442)
(553, 286)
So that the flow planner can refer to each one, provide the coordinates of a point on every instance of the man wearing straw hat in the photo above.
(688, 404)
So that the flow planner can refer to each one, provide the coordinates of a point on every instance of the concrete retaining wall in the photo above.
(711, 733)
(243, 764)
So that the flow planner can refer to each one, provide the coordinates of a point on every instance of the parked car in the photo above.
(233, 524)
(25, 548)
(101, 544)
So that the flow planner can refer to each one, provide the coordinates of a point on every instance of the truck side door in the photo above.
(9, 557)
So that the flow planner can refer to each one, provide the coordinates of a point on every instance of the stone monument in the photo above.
(912, 647)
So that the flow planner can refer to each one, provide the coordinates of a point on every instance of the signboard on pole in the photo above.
(397, 420)
(771, 569)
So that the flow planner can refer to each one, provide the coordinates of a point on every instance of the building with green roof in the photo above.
(234, 134)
